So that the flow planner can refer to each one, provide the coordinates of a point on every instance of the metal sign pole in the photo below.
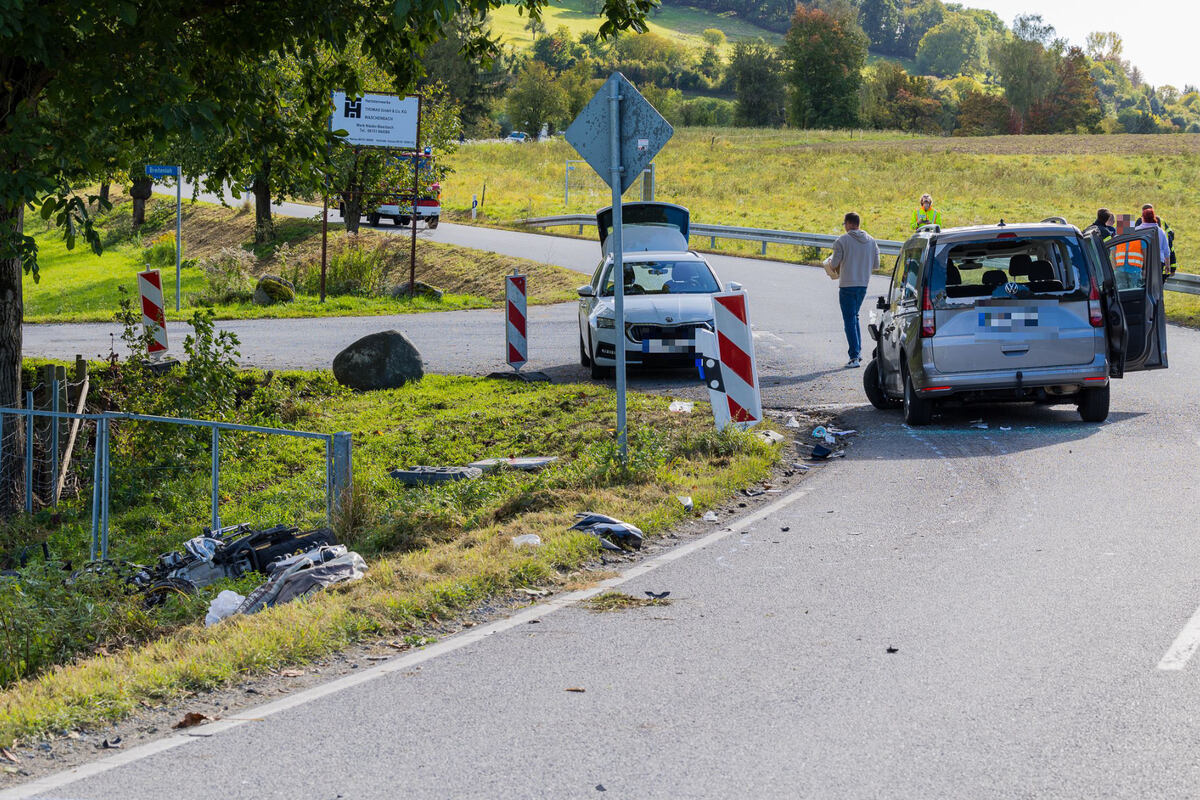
(412, 266)
(178, 233)
(614, 138)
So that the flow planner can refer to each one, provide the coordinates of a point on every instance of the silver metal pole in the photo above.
(29, 452)
(614, 139)
(178, 232)
(216, 478)
(567, 183)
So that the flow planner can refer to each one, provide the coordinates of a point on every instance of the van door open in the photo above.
(1136, 267)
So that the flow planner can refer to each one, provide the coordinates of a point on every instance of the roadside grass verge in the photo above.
(79, 286)
(433, 551)
(806, 180)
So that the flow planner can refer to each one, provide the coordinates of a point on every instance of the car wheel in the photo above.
(917, 410)
(585, 360)
(432, 223)
(873, 386)
(1093, 404)
(372, 219)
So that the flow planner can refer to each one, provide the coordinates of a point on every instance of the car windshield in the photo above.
(1010, 267)
(664, 277)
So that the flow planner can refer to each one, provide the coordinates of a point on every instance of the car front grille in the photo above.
(640, 331)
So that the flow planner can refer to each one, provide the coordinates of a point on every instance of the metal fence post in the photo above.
(343, 470)
(104, 464)
(55, 424)
(96, 480)
(216, 478)
(764, 247)
(29, 452)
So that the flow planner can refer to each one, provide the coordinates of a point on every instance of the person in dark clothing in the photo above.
(1106, 222)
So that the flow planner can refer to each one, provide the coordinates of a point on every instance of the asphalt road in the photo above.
(1031, 578)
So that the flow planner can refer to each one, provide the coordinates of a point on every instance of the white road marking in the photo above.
(1184, 646)
(458, 641)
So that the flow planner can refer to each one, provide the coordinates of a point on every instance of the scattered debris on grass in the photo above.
(192, 719)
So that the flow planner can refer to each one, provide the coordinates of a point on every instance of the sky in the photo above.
(1160, 37)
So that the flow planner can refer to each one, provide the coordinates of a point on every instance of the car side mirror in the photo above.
(881, 304)
(873, 329)
(733, 286)
(586, 290)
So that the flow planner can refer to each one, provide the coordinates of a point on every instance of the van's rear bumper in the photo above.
(1023, 384)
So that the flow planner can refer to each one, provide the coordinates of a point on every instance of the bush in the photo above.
(353, 269)
(228, 275)
(161, 252)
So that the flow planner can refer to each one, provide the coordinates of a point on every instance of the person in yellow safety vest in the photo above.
(1129, 260)
(925, 214)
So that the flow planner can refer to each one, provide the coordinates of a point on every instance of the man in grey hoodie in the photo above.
(855, 257)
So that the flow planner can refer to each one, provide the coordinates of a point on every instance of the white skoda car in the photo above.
(668, 292)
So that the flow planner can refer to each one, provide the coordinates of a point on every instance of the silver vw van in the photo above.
(1026, 312)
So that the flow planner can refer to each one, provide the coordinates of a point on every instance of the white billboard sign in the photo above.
(377, 120)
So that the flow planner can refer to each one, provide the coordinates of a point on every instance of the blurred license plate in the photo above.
(1008, 320)
(668, 345)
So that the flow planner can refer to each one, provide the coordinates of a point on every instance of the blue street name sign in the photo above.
(162, 171)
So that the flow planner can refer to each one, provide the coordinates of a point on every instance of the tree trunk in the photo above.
(12, 463)
(104, 189)
(352, 208)
(140, 191)
(264, 226)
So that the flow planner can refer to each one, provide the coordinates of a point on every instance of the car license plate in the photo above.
(1008, 320)
(668, 345)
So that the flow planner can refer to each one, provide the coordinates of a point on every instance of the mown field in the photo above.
(806, 181)
(673, 22)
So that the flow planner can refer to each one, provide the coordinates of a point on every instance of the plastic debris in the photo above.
(681, 407)
(1006, 428)
(613, 533)
(709, 516)
(525, 464)
(836, 432)
(980, 424)
(222, 606)
(657, 595)
(419, 475)
(527, 540)
(687, 502)
(792, 422)
(820, 432)
(770, 437)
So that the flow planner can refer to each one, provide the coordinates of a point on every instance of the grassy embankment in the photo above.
(806, 180)
(78, 286)
(432, 551)
(684, 25)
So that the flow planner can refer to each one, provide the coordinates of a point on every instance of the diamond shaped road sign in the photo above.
(643, 132)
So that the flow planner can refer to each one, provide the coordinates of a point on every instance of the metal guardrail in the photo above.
(338, 456)
(766, 236)
(1183, 282)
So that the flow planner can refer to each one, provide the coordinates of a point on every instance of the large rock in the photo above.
(272, 289)
(382, 360)
(407, 289)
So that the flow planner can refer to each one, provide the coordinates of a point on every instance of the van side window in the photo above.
(910, 272)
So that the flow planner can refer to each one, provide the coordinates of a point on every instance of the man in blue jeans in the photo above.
(855, 256)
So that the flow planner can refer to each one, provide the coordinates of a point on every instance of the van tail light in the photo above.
(1095, 314)
(928, 322)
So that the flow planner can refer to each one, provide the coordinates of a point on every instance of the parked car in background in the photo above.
(1036, 312)
(517, 136)
(668, 292)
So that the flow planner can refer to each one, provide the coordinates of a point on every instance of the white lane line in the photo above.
(1184, 646)
(257, 714)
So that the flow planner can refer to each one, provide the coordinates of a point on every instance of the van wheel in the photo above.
(372, 219)
(432, 223)
(917, 410)
(1093, 404)
(873, 386)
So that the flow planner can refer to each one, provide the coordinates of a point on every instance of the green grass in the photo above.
(683, 24)
(806, 180)
(433, 551)
(78, 286)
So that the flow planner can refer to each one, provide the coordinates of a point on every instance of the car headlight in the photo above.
(606, 322)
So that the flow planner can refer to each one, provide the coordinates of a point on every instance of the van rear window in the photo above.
(1044, 266)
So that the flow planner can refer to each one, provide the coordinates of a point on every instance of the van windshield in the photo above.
(1045, 266)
